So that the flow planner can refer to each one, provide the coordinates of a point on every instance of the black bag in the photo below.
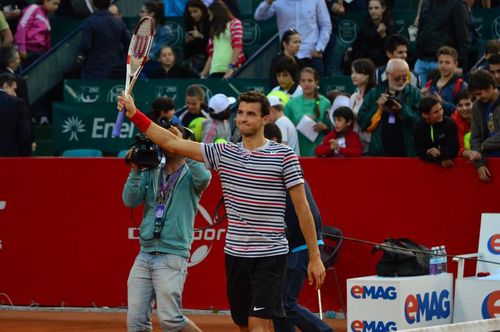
(403, 263)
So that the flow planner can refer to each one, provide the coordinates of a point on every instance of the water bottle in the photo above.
(433, 262)
(444, 260)
(439, 262)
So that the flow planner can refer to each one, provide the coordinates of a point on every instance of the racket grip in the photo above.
(118, 123)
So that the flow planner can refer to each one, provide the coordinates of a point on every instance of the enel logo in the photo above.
(372, 326)
(373, 292)
(494, 244)
(490, 308)
(427, 306)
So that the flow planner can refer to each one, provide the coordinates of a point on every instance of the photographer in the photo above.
(170, 193)
(389, 111)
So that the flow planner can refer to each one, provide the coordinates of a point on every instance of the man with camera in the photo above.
(170, 193)
(255, 176)
(389, 111)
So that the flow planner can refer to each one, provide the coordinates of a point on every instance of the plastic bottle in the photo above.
(444, 260)
(433, 262)
(439, 263)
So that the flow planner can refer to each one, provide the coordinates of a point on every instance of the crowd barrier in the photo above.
(67, 240)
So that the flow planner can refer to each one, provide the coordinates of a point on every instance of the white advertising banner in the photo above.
(477, 298)
(390, 304)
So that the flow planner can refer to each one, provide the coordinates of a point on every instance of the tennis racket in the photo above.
(138, 51)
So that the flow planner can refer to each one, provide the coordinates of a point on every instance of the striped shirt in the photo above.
(254, 185)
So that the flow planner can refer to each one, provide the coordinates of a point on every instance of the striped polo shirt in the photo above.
(254, 186)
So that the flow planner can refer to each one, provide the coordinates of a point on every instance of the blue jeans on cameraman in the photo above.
(159, 277)
(297, 315)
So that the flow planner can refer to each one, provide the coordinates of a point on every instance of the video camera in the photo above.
(145, 153)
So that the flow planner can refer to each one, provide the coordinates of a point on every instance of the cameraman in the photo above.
(170, 193)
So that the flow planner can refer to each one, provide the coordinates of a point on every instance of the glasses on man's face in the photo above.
(400, 78)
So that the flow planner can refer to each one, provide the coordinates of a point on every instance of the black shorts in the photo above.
(254, 287)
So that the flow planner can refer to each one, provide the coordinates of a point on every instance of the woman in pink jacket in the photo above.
(33, 30)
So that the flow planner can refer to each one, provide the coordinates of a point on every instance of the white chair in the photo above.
(476, 297)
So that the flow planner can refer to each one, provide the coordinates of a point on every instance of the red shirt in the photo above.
(353, 145)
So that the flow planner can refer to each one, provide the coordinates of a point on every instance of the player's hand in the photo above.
(316, 272)
(126, 102)
(484, 173)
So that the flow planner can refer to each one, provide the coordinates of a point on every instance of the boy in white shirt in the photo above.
(288, 131)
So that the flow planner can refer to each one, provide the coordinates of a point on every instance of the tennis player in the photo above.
(255, 176)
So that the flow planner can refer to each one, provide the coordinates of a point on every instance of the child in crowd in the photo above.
(462, 118)
(435, 135)
(289, 47)
(163, 106)
(286, 72)
(313, 105)
(288, 132)
(33, 31)
(168, 67)
(342, 141)
(195, 108)
(217, 129)
(447, 85)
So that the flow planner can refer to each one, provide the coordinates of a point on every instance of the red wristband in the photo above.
(141, 121)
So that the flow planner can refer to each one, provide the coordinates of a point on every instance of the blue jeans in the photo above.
(162, 278)
(296, 315)
(422, 69)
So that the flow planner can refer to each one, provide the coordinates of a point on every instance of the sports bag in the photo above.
(403, 263)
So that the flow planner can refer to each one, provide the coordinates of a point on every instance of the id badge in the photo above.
(160, 208)
(392, 118)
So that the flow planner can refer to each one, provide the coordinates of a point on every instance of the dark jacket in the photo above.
(444, 22)
(105, 41)
(444, 138)
(369, 44)
(293, 233)
(15, 127)
(22, 86)
(480, 140)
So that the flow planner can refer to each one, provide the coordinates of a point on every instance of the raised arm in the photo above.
(315, 269)
(160, 136)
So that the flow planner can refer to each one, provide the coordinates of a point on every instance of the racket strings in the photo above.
(139, 45)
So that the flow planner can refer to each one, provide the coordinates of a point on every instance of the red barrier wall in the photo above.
(66, 238)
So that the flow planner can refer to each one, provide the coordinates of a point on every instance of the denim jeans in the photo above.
(162, 278)
(422, 69)
(296, 315)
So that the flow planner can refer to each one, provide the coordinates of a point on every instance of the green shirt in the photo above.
(3, 25)
(296, 108)
(223, 52)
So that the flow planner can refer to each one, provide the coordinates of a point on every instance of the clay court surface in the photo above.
(77, 321)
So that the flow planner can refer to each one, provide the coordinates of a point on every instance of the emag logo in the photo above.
(491, 305)
(372, 326)
(373, 292)
(427, 306)
(494, 244)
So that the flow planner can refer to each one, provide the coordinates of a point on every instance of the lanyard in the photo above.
(432, 134)
(164, 192)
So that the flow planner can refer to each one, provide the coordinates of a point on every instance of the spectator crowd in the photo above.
(438, 104)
